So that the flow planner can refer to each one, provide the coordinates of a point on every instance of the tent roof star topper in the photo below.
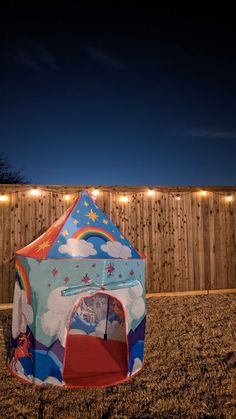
(84, 231)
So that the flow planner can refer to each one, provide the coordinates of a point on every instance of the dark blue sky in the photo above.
(104, 94)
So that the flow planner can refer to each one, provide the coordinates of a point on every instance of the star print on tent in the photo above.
(84, 231)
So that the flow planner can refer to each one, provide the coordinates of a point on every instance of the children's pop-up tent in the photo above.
(79, 303)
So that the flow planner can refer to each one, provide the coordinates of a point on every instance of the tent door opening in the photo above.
(96, 348)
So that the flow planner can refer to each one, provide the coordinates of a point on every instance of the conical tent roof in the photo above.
(83, 231)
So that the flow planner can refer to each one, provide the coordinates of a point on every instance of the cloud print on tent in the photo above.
(75, 247)
(23, 313)
(116, 250)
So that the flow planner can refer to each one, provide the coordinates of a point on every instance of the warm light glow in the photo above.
(204, 193)
(151, 192)
(124, 199)
(67, 197)
(95, 192)
(3, 198)
(35, 192)
(178, 197)
(229, 198)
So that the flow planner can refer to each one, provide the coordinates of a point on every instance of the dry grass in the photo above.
(190, 370)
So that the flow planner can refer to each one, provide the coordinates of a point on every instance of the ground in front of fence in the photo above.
(190, 369)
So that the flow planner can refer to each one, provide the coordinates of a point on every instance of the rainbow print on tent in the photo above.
(22, 279)
(87, 232)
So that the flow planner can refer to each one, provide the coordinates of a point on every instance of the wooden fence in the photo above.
(189, 239)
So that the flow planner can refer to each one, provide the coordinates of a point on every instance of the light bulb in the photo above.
(4, 198)
(67, 197)
(124, 199)
(151, 192)
(229, 198)
(35, 192)
(204, 193)
(95, 192)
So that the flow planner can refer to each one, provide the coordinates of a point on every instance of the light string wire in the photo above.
(176, 193)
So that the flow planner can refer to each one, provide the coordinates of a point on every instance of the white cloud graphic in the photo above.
(137, 308)
(137, 365)
(53, 380)
(136, 291)
(116, 250)
(54, 321)
(22, 312)
(132, 300)
(51, 323)
(75, 247)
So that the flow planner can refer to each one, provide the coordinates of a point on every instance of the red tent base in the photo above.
(91, 361)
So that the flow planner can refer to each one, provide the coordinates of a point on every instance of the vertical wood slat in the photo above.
(212, 243)
(190, 243)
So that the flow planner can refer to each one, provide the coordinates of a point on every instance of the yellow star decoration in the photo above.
(104, 221)
(43, 245)
(92, 215)
(86, 203)
(65, 233)
(75, 221)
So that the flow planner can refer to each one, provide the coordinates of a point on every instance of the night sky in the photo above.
(125, 95)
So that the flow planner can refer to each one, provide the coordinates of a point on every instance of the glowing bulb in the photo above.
(95, 192)
(204, 193)
(229, 198)
(67, 197)
(151, 192)
(35, 192)
(178, 197)
(124, 199)
(3, 198)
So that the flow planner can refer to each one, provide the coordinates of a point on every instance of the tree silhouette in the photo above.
(8, 174)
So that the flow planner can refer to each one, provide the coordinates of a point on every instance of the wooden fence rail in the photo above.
(189, 240)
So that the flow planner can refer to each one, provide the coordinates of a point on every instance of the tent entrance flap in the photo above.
(96, 346)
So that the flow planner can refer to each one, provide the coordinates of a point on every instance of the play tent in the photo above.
(79, 303)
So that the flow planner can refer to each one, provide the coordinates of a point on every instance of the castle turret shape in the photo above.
(79, 303)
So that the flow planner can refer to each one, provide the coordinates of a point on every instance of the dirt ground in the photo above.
(190, 369)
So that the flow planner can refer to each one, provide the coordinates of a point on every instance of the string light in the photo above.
(124, 198)
(229, 198)
(35, 192)
(95, 192)
(4, 198)
(151, 192)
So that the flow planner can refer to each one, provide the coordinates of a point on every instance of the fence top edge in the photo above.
(114, 188)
